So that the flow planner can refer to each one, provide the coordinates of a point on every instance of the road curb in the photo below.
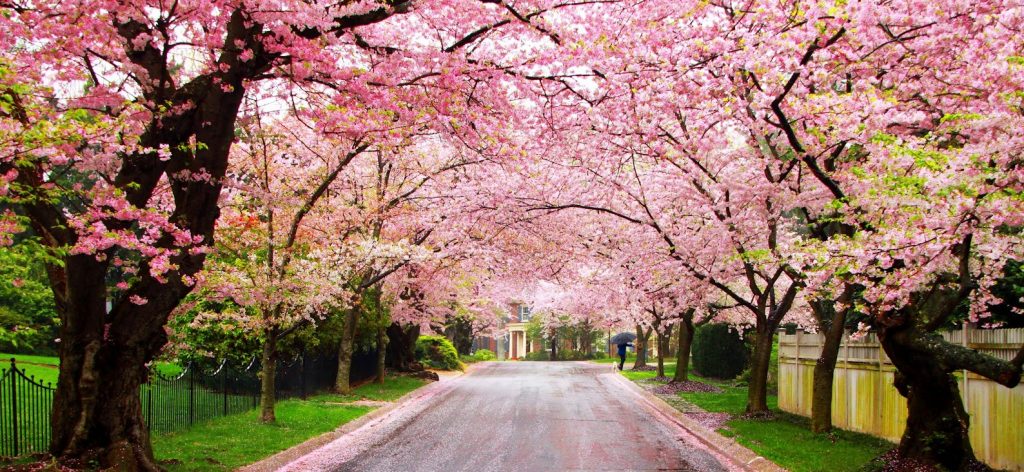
(741, 456)
(287, 456)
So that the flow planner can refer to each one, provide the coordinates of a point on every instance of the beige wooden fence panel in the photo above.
(863, 398)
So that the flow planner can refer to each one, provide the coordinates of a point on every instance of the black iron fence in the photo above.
(24, 412)
(172, 403)
(169, 402)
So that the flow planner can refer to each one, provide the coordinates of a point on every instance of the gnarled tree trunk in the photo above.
(937, 424)
(97, 413)
(937, 427)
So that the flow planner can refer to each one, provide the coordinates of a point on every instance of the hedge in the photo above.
(719, 352)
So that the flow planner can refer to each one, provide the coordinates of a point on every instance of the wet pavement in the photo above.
(520, 416)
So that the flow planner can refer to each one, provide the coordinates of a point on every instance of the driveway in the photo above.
(519, 416)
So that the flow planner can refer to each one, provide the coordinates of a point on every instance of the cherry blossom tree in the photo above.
(270, 235)
(134, 116)
(909, 118)
(906, 117)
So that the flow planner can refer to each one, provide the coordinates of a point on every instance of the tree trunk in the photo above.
(669, 329)
(757, 391)
(268, 373)
(661, 354)
(937, 425)
(401, 346)
(641, 347)
(107, 424)
(663, 342)
(554, 346)
(97, 413)
(686, 330)
(345, 348)
(830, 322)
(382, 349)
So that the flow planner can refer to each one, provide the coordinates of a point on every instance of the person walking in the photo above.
(622, 353)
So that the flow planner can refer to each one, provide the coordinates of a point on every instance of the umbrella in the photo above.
(622, 338)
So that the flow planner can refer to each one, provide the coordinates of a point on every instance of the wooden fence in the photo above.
(864, 399)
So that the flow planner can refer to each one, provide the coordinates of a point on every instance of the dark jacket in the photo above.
(622, 348)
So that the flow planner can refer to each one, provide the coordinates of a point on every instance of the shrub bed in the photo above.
(437, 352)
(484, 355)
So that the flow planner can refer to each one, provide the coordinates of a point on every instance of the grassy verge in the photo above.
(234, 441)
(646, 375)
(785, 439)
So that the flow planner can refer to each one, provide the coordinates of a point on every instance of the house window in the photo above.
(524, 313)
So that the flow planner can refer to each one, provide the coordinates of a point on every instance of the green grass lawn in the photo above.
(48, 360)
(785, 439)
(233, 441)
(42, 368)
(45, 368)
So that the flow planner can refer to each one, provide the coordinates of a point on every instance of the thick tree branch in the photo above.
(955, 357)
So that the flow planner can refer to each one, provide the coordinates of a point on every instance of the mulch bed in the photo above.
(688, 386)
(646, 368)
(892, 462)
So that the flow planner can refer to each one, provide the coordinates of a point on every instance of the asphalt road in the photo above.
(520, 416)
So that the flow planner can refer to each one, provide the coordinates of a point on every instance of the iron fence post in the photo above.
(14, 405)
(302, 376)
(191, 394)
(149, 405)
(224, 386)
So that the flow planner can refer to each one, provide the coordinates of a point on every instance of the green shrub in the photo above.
(538, 356)
(718, 352)
(484, 355)
(437, 352)
(599, 355)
